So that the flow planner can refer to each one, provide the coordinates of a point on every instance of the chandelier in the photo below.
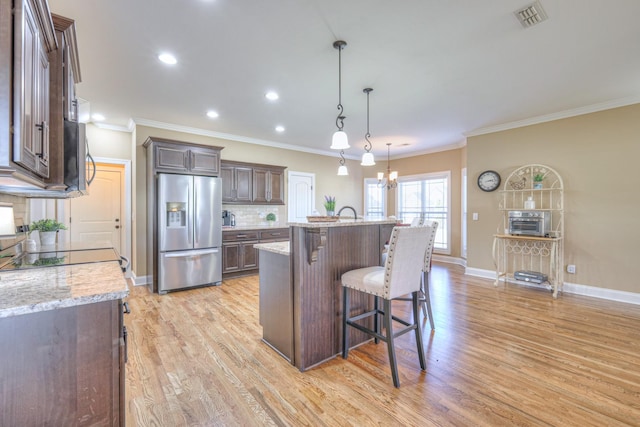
(367, 157)
(392, 177)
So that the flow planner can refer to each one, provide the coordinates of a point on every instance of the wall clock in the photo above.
(489, 180)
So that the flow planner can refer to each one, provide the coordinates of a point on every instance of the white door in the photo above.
(301, 195)
(97, 217)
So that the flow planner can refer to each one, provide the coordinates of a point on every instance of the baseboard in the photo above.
(571, 288)
(140, 281)
(449, 259)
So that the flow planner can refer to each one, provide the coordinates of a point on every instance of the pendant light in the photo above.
(367, 157)
(340, 140)
(392, 177)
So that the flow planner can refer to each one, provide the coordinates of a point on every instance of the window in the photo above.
(427, 196)
(375, 199)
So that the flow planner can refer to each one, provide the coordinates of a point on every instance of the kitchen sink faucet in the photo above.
(355, 215)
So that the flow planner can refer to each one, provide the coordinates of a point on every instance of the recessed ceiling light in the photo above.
(97, 117)
(271, 96)
(167, 58)
(212, 114)
(279, 128)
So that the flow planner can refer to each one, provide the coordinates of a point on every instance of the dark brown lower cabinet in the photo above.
(63, 367)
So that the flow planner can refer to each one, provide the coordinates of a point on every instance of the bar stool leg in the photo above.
(427, 298)
(345, 319)
(376, 317)
(390, 346)
(416, 313)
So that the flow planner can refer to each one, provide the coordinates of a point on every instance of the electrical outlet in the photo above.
(571, 269)
(475, 216)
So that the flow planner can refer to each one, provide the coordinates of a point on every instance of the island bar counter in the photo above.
(319, 254)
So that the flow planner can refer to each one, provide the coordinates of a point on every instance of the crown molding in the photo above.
(232, 137)
(623, 102)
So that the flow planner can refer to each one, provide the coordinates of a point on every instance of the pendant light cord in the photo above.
(340, 119)
(368, 145)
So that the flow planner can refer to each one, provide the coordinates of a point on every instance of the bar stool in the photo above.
(423, 296)
(399, 276)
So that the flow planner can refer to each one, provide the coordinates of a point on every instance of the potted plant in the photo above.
(537, 181)
(271, 217)
(330, 205)
(47, 229)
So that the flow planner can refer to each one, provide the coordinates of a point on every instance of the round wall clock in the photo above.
(489, 180)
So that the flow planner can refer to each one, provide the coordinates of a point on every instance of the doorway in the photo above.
(99, 216)
(301, 195)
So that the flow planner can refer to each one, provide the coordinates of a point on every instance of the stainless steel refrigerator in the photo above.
(189, 231)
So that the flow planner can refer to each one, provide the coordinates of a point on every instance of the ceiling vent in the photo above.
(531, 15)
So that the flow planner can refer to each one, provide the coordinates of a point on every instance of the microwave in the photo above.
(530, 223)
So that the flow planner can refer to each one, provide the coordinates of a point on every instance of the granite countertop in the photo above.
(281, 248)
(50, 288)
(253, 227)
(344, 223)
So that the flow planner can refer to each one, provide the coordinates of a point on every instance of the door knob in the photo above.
(117, 219)
(117, 226)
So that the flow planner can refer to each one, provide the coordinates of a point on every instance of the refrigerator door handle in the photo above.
(184, 254)
(190, 217)
(196, 220)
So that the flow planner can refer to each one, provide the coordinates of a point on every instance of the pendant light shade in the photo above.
(342, 170)
(340, 140)
(367, 157)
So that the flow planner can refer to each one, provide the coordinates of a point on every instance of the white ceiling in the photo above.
(439, 69)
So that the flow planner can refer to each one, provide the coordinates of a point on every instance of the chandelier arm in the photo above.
(342, 160)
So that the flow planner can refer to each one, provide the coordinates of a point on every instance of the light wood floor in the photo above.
(499, 357)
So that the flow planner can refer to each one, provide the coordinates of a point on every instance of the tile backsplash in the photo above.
(256, 215)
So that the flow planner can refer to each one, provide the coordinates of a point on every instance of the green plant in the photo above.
(46, 225)
(271, 217)
(538, 177)
(330, 203)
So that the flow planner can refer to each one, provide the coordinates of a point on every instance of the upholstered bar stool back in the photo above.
(399, 276)
(424, 296)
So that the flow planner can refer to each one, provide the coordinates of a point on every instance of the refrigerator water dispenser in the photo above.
(176, 214)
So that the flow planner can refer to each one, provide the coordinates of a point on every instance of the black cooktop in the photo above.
(58, 258)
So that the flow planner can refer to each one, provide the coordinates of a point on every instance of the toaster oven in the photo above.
(530, 223)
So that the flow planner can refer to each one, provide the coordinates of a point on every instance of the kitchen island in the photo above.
(65, 348)
(319, 253)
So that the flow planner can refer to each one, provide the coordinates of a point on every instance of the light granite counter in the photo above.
(281, 248)
(343, 223)
(49, 288)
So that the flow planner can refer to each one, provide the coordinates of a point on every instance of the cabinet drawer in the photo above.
(277, 234)
(236, 236)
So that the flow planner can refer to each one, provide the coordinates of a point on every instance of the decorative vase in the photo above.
(537, 185)
(48, 238)
(330, 213)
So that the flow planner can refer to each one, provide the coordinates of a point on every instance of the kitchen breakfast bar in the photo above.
(301, 289)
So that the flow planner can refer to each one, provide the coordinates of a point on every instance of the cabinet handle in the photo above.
(126, 343)
(75, 112)
(40, 127)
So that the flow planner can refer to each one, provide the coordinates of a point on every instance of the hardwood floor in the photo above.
(500, 356)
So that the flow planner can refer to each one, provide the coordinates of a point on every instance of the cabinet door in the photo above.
(41, 104)
(205, 162)
(260, 183)
(249, 256)
(70, 109)
(231, 257)
(226, 175)
(237, 184)
(276, 187)
(244, 184)
(171, 159)
(28, 136)
(268, 186)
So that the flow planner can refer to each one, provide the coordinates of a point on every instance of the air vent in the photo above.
(531, 15)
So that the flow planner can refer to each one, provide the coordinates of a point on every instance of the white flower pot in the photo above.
(47, 238)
